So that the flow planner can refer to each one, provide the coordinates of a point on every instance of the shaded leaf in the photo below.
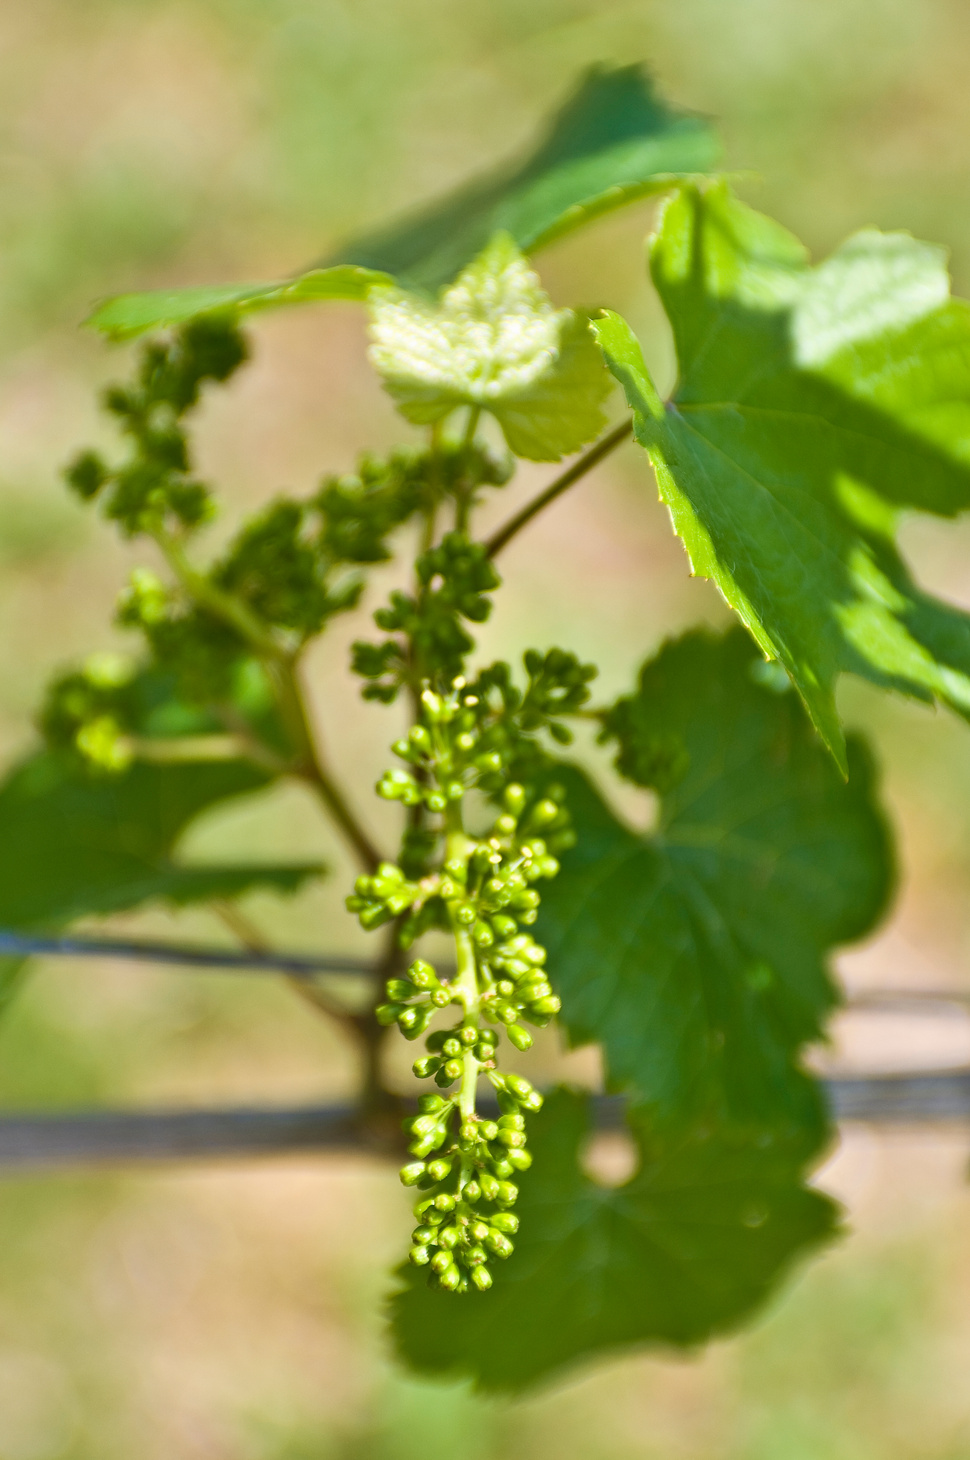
(696, 954)
(686, 1249)
(75, 842)
(126, 315)
(494, 341)
(612, 142)
(812, 405)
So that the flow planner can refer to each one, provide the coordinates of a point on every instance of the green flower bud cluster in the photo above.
(465, 1221)
(454, 580)
(484, 891)
(154, 489)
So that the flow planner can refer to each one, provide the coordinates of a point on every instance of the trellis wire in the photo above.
(37, 1141)
(110, 1137)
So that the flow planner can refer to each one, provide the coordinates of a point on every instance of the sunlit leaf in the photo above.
(127, 315)
(812, 406)
(494, 341)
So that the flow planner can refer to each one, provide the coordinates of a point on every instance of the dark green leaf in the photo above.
(127, 315)
(75, 841)
(697, 954)
(685, 1250)
(813, 405)
(614, 141)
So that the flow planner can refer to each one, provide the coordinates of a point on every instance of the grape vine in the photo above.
(813, 403)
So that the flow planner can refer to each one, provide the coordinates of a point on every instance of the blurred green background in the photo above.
(233, 1312)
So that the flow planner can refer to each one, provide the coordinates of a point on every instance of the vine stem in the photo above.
(281, 664)
(466, 979)
(586, 462)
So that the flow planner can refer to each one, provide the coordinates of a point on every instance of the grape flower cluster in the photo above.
(484, 894)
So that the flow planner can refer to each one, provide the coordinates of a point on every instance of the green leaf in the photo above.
(126, 315)
(686, 1249)
(696, 954)
(813, 404)
(614, 141)
(75, 842)
(494, 342)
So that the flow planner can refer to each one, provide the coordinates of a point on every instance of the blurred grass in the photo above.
(232, 1313)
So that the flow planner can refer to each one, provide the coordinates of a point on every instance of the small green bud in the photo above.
(414, 1028)
(499, 1244)
(478, 1230)
(475, 1256)
(425, 1234)
(419, 738)
(399, 988)
(508, 1013)
(453, 1070)
(489, 1185)
(505, 927)
(412, 1173)
(529, 916)
(506, 1222)
(513, 1139)
(488, 1130)
(442, 1079)
(520, 1160)
(451, 1046)
(450, 1279)
(513, 798)
(508, 1193)
(387, 1014)
(489, 762)
(544, 812)
(454, 790)
(422, 975)
(502, 1167)
(548, 1004)
(435, 801)
(482, 1279)
(548, 866)
(532, 1102)
(518, 1085)
(449, 1237)
(374, 917)
(465, 914)
(422, 1125)
(445, 1202)
(420, 1255)
(505, 825)
(423, 1145)
(468, 1131)
(510, 1122)
(431, 1104)
(441, 1261)
(520, 1037)
(441, 998)
(483, 935)
(425, 1066)
(469, 1035)
(471, 1191)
